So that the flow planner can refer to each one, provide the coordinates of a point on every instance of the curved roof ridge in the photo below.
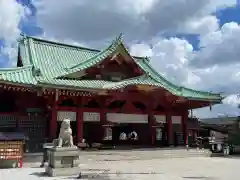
(20, 75)
(16, 68)
(59, 43)
(95, 59)
(115, 43)
(37, 49)
(148, 69)
(199, 91)
(159, 75)
(180, 88)
(140, 80)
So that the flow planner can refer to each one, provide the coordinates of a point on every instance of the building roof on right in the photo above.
(221, 120)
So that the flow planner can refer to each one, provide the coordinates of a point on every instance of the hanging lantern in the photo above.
(181, 99)
(39, 92)
(102, 93)
(114, 56)
(98, 76)
(56, 95)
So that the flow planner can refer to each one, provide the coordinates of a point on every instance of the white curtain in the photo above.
(107, 133)
(158, 133)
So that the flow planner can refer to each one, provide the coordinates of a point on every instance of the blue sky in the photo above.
(30, 27)
(227, 15)
(169, 32)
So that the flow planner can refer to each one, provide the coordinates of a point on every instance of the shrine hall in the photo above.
(105, 93)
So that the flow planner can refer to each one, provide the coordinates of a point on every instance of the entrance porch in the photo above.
(96, 117)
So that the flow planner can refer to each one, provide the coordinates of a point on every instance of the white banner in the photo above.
(160, 118)
(176, 119)
(107, 133)
(127, 118)
(61, 115)
(91, 117)
(159, 134)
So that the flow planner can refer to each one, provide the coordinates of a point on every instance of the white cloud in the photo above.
(170, 57)
(11, 14)
(220, 64)
(191, 79)
(217, 110)
(202, 25)
(88, 20)
(214, 5)
(216, 66)
(219, 47)
(137, 7)
(95, 22)
(233, 100)
(143, 50)
(65, 40)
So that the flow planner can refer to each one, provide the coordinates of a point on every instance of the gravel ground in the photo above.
(201, 168)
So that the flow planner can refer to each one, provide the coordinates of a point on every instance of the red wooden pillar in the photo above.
(80, 121)
(103, 117)
(79, 124)
(169, 129)
(185, 127)
(53, 121)
(152, 128)
(151, 121)
(102, 122)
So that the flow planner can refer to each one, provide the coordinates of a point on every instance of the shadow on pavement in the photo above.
(88, 175)
(39, 174)
(200, 178)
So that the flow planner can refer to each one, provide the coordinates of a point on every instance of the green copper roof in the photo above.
(21, 75)
(45, 63)
(109, 85)
(177, 90)
(52, 59)
(100, 84)
(115, 47)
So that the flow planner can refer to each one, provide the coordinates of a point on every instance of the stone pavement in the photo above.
(136, 154)
(198, 168)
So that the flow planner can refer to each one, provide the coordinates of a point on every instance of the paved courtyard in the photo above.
(93, 167)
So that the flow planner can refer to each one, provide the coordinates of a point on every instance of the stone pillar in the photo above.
(170, 132)
(79, 124)
(53, 121)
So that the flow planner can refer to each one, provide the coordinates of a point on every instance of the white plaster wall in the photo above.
(127, 118)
